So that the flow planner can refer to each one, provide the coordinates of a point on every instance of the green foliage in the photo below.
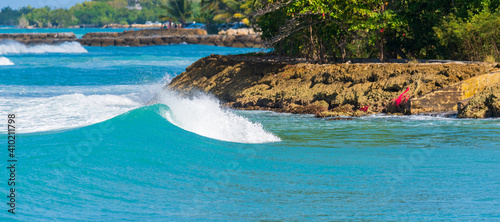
(9, 16)
(229, 10)
(323, 30)
(94, 12)
(180, 10)
(475, 39)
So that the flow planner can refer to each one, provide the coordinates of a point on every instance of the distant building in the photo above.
(134, 4)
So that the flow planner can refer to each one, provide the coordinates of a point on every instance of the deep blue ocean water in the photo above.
(99, 139)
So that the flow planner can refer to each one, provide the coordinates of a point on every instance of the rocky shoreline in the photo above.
(484, 104)
(253, 82)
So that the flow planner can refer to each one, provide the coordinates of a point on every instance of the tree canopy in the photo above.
(323, 30)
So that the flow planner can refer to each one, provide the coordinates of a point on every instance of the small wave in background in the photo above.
(13, 47)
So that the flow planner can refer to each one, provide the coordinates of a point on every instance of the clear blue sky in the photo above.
(16, 4)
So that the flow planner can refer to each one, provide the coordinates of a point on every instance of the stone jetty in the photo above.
(169, 36)
(144, 37)
(39, 38)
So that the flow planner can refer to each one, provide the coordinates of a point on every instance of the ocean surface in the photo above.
(98, 138)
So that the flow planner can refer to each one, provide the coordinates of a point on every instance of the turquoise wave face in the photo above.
(138, 159)
(140, 166)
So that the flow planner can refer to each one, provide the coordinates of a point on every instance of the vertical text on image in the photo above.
(11, 162)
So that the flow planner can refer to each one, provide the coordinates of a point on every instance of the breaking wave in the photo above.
(5, 62)
(13, 47)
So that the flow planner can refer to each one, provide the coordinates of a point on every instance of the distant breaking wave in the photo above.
(13, 47)
(5, 62)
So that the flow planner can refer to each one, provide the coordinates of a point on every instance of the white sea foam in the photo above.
(13, 47)
(203, 115)
(67, 111)
(48, 108)
(5, 61)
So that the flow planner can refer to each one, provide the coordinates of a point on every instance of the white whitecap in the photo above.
(38, 114)
(13, 47)
(203, 115)
(49, 108)
(5, 62)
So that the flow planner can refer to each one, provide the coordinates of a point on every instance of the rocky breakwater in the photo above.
(168, 36)
(483, 105)
(141, 26)
(39, 38)
(451, 97)
(257, 82)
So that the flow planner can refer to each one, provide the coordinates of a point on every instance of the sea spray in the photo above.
(5, 62)
(202, 114)
(13, 47)
(38, 114)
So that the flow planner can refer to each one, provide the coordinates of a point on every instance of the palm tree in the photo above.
(177, 9)
(229, 10)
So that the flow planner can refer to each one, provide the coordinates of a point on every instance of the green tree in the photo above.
(229, 10)
(328, 29)
(473, 39)
(9, 16)
(118, 4)
(62, 18)
(317, 29)
(94, 12)
(180, 10)
(416, 37)
(39, 16)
